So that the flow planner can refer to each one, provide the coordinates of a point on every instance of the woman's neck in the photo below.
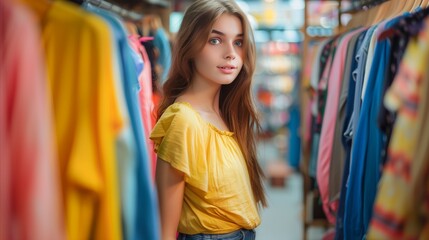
(202, 98)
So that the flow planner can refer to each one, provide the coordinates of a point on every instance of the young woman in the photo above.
(208, 179)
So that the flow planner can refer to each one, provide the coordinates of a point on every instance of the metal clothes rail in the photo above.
(116, 9)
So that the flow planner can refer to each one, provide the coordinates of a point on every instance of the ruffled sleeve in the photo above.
(178, 140)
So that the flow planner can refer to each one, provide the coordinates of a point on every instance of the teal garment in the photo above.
(161, 41)
(143, 222)
(313, 157)
(294, 153)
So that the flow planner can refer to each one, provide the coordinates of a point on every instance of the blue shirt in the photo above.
(352, 222)
(367, 147)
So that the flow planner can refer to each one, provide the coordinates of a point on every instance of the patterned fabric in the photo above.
(319, 99)
(399, 35)
(392, 217)
(420, 168)
(326, 59)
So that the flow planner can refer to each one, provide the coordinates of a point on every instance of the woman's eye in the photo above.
(239, 43)
(214, 41)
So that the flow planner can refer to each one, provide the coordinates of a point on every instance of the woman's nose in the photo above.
(230, 57)
(230, 53)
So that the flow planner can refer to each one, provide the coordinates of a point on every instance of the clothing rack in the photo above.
(385, 9)
(362, 5)
(364, 13)
(116, 9)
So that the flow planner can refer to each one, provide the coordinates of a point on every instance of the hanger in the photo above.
(386, 10)
(382, 12)
(416, 5)
(362, 18)
(371, 16)
(359, 19)
(423, 3)
(396, 8)
(408, 7)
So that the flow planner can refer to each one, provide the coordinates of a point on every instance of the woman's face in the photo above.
(221, 59)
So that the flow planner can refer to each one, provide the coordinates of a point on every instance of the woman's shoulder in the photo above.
(182, 113)
(180, 109)
(177, 119)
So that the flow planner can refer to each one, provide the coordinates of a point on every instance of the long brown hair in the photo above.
(235, 100)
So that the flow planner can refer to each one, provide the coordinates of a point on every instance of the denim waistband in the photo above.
(241, 234)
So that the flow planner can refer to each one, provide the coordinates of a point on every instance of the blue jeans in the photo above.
(241, 234)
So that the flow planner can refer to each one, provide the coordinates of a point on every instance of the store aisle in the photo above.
(282, 220)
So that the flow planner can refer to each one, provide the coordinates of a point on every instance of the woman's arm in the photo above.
(171, 186)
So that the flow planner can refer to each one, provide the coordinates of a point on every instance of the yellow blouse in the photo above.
(218, 196)
(78, 53)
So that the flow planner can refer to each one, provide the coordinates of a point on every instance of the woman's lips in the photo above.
(227, 69)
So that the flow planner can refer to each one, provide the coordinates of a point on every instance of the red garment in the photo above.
(30, 205)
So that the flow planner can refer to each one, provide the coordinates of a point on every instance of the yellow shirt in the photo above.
(218, 196)
(79, 62)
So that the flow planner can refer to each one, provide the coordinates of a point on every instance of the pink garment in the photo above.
(30, 204)
(145, 98)
(328, 125)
